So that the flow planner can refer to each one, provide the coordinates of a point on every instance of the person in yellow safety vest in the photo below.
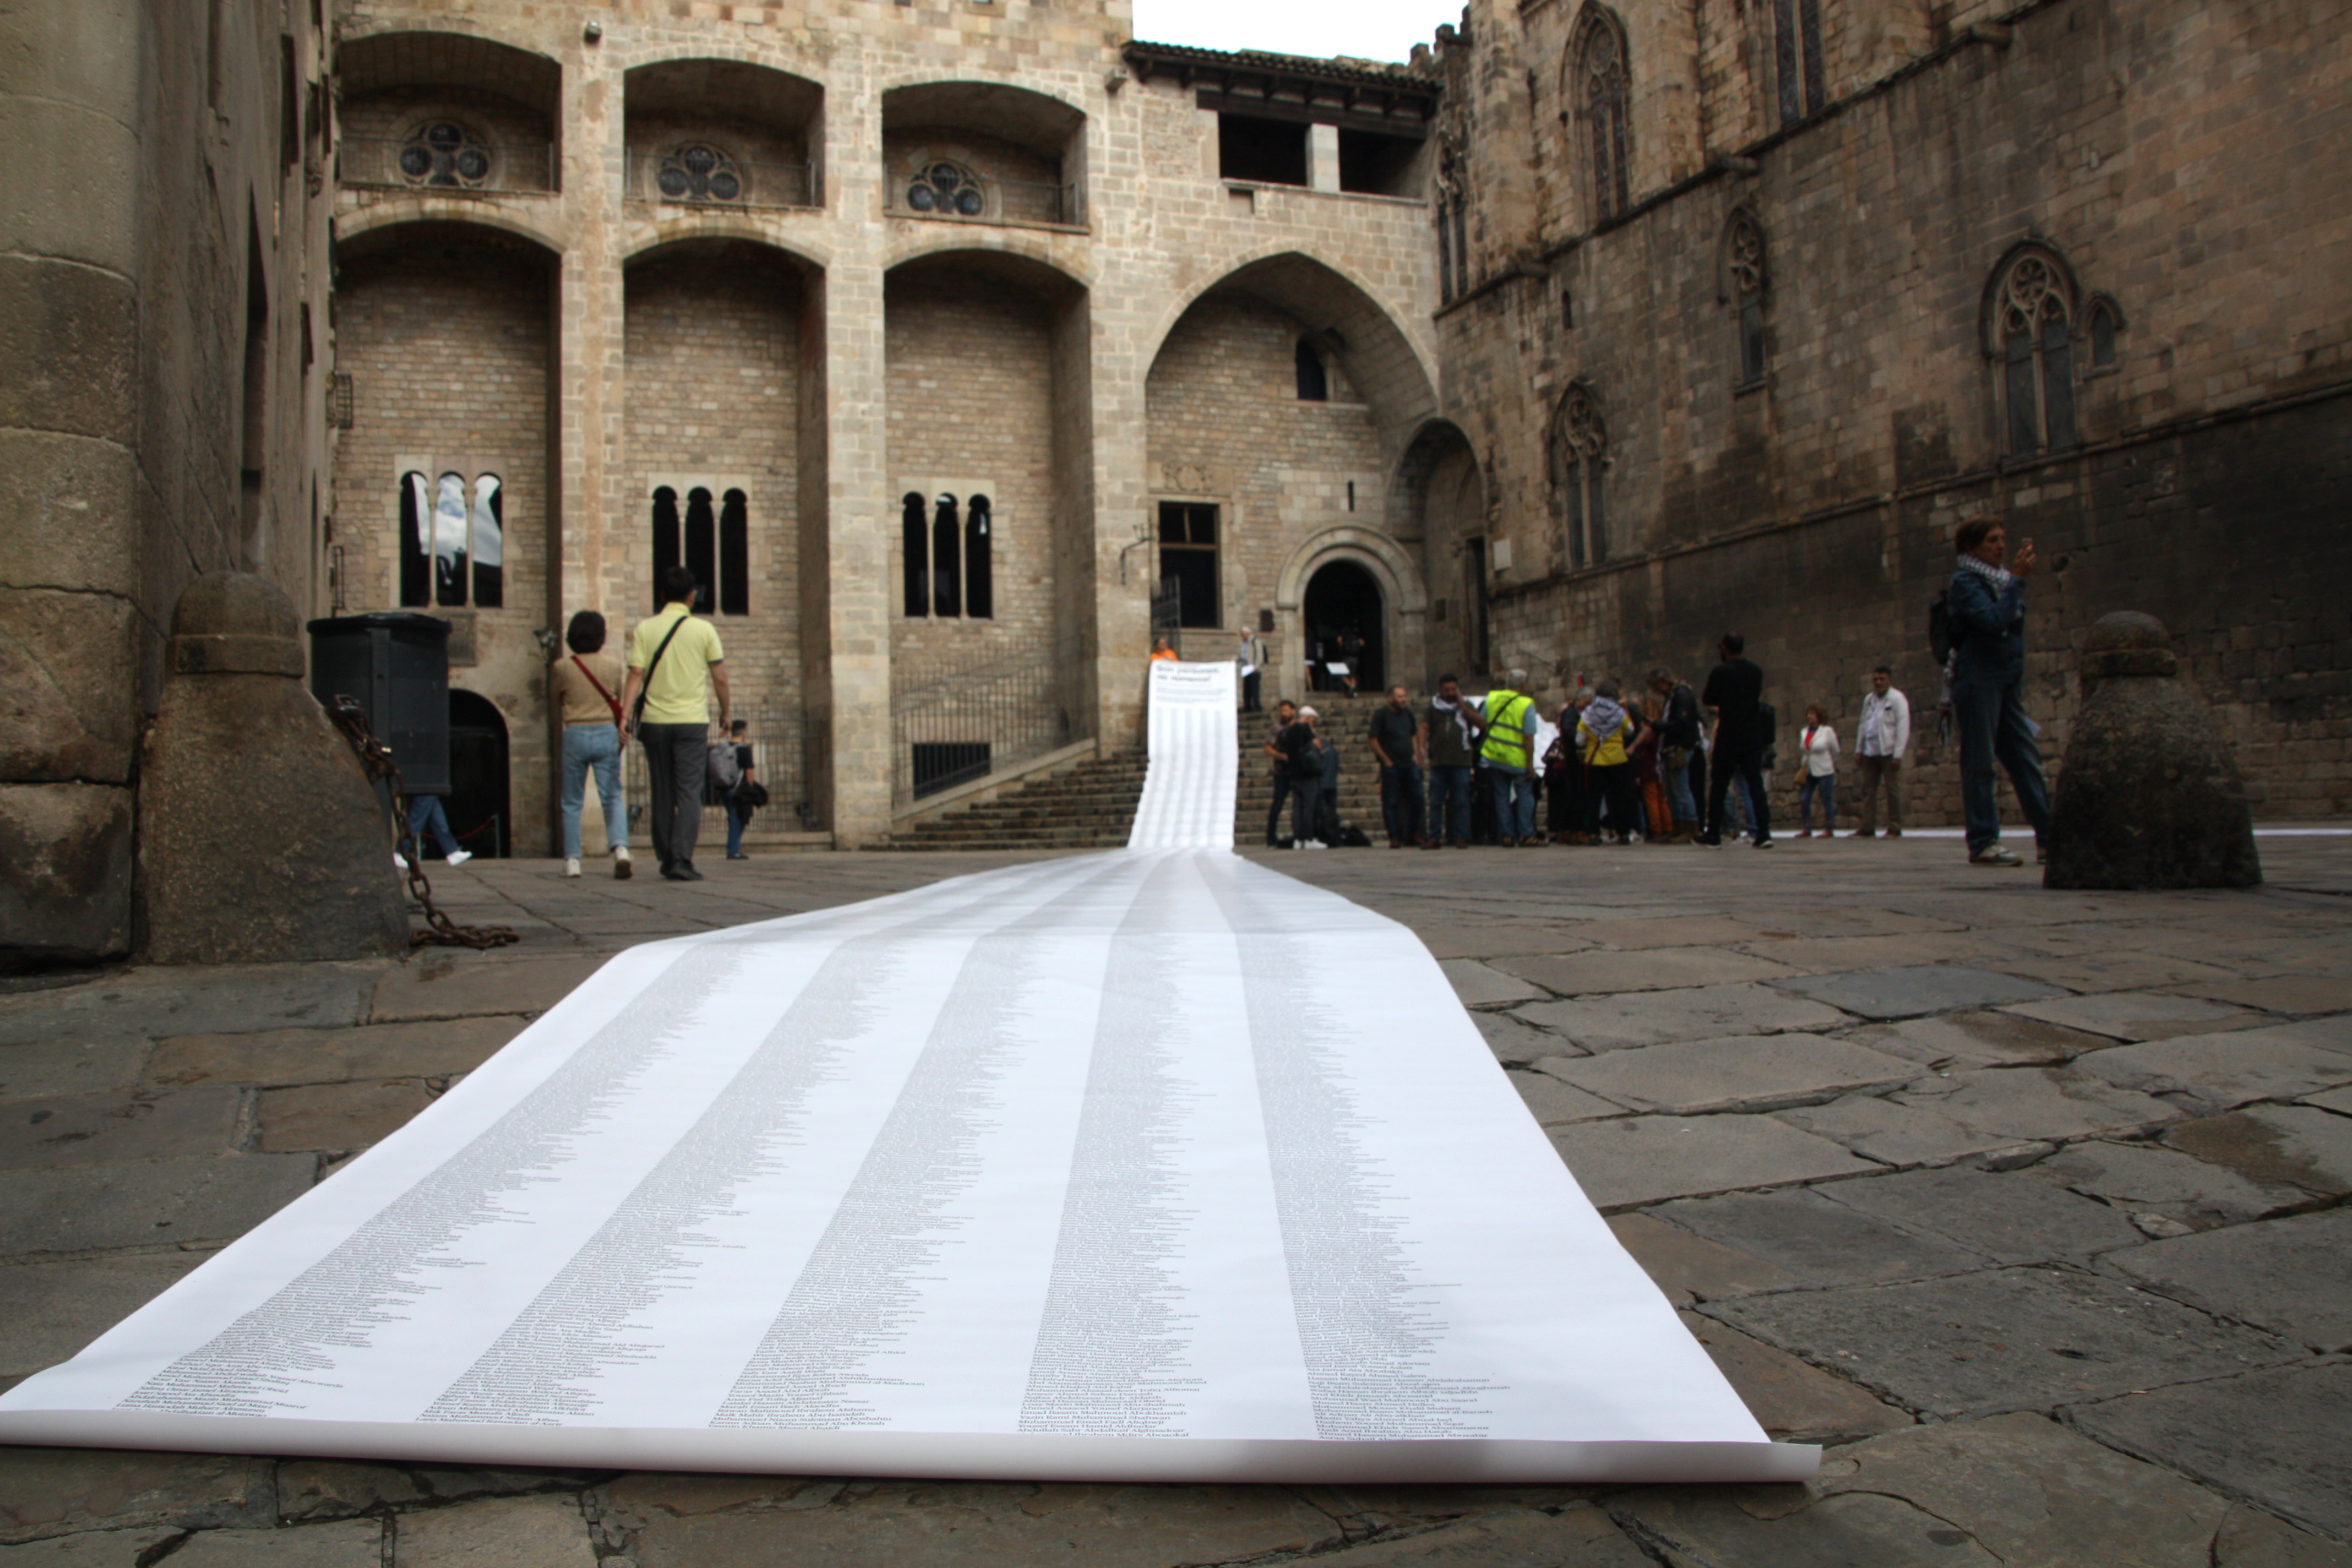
(1508, 752)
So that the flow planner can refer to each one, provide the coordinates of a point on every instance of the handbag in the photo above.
(610, 701)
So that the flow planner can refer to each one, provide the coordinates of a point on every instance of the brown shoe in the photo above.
(1894, 833)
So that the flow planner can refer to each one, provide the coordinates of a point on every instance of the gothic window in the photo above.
(947, 564)
(2105, 322)
(2033, 329)
(1744, 280)
(446, 155)
(701, 545)
(1314, 386)
(915, 550)
(946, 190)
(442, 533)
(1797, 57)
(698, 171)
(1601, 71)
(1580, 460)
(979, 583)
(490, 542)
(1188, 559)
(735, 554)
(666, 551)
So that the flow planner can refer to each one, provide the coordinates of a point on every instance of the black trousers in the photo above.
(1747, 765)
(675, 756)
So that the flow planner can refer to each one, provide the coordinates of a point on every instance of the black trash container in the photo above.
(396, 663)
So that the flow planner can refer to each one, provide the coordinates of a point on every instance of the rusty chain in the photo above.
(375, 759)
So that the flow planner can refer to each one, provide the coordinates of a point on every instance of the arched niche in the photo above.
(449, 113)
(983, 152)
(716, 135)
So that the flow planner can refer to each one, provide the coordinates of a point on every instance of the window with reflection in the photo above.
(490, 542)
(701, 545)
(947, 550)
(452, 540)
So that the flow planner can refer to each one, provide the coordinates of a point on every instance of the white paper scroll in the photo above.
(1149, 1165)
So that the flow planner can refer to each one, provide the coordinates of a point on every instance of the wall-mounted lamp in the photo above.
(594, 32)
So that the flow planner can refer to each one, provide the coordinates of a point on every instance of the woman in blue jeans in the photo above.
(585, 688)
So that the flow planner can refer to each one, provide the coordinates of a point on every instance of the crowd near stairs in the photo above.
(1092, 805)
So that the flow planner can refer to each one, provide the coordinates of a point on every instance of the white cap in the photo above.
(1308, 713)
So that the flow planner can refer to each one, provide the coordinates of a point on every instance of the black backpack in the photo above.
(1940, 641)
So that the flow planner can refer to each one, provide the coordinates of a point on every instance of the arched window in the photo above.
(1744, 280)
(947, 574)
(1579, 458)
(490, 542)
(979, 583)
(1601, 90)
(2030, 324)
(449, 524)
(701, 545)
(915, 547)
(1314, 386)
(735, 554)
(415, 541)
(1797, 57)
(2106, 320)
(665, 551)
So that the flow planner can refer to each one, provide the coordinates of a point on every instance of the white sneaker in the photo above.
(399, 863)
(459, 857)
(571, 867)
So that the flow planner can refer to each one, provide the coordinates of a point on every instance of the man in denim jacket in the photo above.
(1987, 607)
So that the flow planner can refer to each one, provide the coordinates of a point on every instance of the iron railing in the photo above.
(780, 749)
(694, 178)
(1001, 201)
(462, 168)
(958, 725)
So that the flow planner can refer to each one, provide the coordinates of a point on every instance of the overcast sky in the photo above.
(1371, 29)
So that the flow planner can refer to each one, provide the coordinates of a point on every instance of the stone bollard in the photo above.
(2150, 796)
(260, 839)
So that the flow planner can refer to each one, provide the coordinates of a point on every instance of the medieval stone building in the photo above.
(958, 345)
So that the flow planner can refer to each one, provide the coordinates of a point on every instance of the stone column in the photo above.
(1323, 157)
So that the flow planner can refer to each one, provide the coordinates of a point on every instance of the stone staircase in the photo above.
(1092, 805)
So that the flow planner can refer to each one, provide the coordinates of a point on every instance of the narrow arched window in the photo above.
(1743, 283)
(1579, 458)
(701, 544)
(979, 582)
(2032, 321)
(415, 541)
(735, 554)
(450, 524)
(947, 573)
(1797, 57)
(2105, 322)
(1314, 386)
(915, 547)
(665, 551)
(1600, 57)
(490, 542)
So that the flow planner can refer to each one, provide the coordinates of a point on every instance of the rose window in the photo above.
(947, 190)
(445, 154)
(696, 173)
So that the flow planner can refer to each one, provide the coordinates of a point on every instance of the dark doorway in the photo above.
(1341, 597)
(477, 800)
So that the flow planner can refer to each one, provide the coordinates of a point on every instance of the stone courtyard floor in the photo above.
(2029, 1204)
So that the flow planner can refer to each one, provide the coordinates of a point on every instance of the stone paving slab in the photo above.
(1742, 1073)
(502, 1532)
(2004, 1338)
(1554, 1102)
(102, 1207)
(1519, 1044)
(2138, 1014)
(1977, 1040)
(2335, 1100)
(148, 1004)
(2225, 1071)
(2018, 1491)
(1651, 969)
(2009, 1218)
(1454, 939)
(2290, 1276)
(346, 1543)
(1478, 984)
(2140, 1179)
(2101, 972)
(1574, 1538)
(2282, 1438)
(50, 1310)
(2302, 994)
(441, 985)
(1832, 955)
(1793, 1401)
(47, 1492)
(1689, 1268)
(1670, 930)
(61, 1069)
(94, 1129)
(337, 1116)
(2276, 1145)
(427, 1049)
(1639, 1160)
(1819, 1242)
(1706, 1012)
(1916, 988)
(2054, 1103)
(97, 1549)
(1902, 1136)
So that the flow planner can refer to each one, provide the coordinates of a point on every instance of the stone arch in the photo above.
(1390, 564)
(507, 98)
(1039, 252)
(1018, 155)
(763, 121)
(650, 240)
(457, 54)
(1435, 442)
(379, 220)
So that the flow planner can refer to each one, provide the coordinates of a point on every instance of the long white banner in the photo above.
(1151, 1165)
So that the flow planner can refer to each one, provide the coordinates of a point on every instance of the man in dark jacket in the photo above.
(1679, 736)
(1987, 607)
(1734, 689)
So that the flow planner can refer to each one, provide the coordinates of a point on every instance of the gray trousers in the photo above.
(675, 755)
(1877, 771)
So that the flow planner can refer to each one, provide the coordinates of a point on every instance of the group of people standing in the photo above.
(1618, 766)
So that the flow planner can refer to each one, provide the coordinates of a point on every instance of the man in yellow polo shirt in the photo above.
(674, 664)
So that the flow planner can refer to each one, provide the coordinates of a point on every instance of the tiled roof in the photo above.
(1194, 64)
